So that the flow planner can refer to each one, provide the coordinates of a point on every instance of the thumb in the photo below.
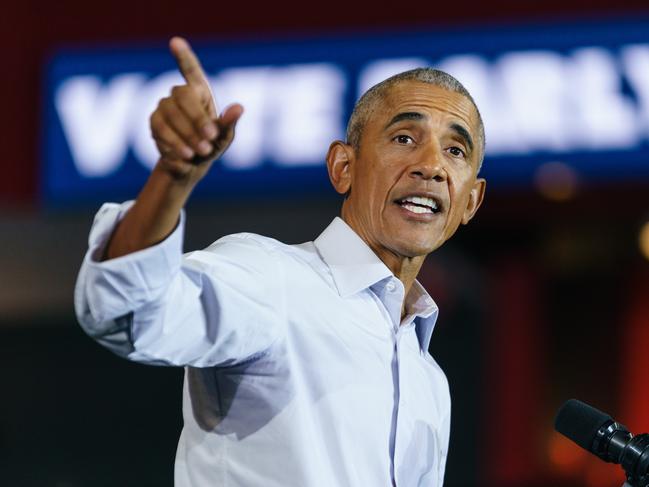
(230, 115)
(227, 123)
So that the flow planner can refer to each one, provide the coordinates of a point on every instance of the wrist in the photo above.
(172, 182)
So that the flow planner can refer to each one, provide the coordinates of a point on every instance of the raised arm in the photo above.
(190, 135)
(136, 293)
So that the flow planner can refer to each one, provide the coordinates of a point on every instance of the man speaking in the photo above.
(306, 365)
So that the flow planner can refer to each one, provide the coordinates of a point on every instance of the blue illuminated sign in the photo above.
(578, 94)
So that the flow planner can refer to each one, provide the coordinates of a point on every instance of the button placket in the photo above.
(397, 454)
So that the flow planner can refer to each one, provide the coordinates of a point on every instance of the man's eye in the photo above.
(456, 151)
(404, 139)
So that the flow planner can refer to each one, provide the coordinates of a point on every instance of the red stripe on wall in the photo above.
(513, 387)
(634, 354)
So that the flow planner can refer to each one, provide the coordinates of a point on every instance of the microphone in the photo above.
(598, 433)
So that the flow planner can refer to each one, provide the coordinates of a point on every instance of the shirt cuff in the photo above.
(139, 274)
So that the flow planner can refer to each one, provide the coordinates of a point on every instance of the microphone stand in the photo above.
(635, 461)
(627, 484)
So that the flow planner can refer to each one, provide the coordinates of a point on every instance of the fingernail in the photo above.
(187, 153)
(204, 147)
(209, 131)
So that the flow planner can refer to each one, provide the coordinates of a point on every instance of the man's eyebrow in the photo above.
(399, 117)
(416, 116)
(463, 133)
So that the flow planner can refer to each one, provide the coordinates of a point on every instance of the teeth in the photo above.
(417, 209)
(422, 200)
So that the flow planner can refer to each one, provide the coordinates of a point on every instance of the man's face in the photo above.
(413, 179)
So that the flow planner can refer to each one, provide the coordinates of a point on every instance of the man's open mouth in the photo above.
(420, 204)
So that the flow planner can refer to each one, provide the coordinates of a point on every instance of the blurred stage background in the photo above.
(544, 297)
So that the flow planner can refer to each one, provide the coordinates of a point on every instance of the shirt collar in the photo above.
(355, 267)
(420, 303)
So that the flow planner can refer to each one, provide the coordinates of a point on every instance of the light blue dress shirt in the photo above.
(299, 369)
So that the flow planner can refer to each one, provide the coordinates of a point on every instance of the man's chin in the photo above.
(413, 250)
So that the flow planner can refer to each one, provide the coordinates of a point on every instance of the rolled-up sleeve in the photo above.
(218, 306)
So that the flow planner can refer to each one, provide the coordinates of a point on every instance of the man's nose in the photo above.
(430, 166)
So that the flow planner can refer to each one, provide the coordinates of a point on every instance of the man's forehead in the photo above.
(414, 96)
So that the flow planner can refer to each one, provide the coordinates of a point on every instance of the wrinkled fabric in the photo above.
(299, 369)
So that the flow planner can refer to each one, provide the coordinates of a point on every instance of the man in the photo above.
(306, 365)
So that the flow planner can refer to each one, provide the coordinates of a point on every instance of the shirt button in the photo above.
(390, 286)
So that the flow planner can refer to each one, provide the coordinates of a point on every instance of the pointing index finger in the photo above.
(188, 63)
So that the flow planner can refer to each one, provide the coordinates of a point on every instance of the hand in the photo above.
(186, 126)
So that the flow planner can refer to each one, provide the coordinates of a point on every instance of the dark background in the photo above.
(540, 300)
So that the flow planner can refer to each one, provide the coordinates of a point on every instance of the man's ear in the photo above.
(475, 200)
(339, 159)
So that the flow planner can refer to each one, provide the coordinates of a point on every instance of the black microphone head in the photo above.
(580, 422)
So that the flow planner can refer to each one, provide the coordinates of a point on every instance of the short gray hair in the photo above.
(366, 105)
